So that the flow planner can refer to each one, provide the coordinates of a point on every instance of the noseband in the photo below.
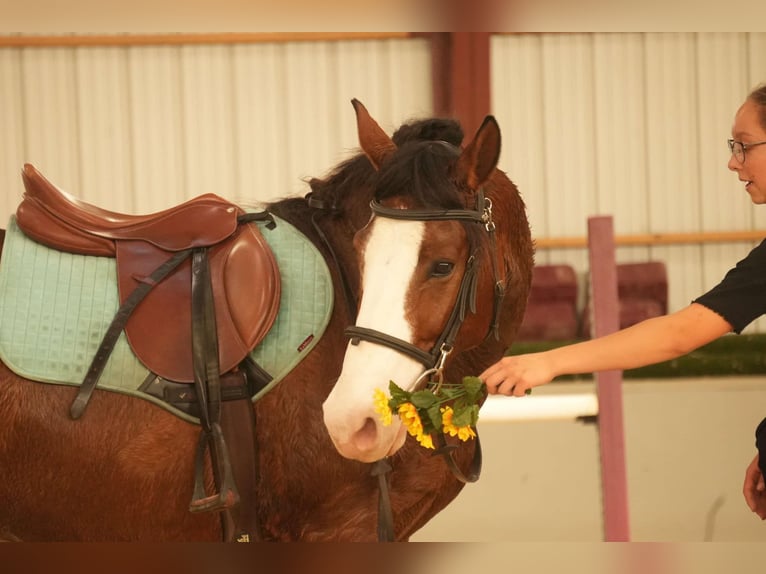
(434, 359)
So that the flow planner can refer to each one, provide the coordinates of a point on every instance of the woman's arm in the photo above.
(651, 341)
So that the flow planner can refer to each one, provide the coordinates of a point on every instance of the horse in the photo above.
(398, 226)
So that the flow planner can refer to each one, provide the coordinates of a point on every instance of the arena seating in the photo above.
(552, 309)
(551, 313)
(642, 290)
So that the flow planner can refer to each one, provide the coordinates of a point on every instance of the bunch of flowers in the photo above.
(452, 409)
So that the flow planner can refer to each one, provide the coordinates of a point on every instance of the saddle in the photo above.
(198, 290)
(244, 274)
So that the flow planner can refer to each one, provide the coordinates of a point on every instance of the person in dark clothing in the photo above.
(754, 489)
(734, 303)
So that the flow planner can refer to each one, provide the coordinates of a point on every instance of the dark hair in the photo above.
(758, 97)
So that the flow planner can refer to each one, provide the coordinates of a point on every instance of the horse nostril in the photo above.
(366, 436)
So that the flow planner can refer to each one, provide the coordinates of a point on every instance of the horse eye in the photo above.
(442, 269)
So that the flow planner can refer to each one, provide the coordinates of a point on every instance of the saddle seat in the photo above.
(79, 227)
(244, 273)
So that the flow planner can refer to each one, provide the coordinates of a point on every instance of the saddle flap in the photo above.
(246, 287)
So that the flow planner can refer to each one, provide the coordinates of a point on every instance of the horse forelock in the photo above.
(443, 129)
(421, 171)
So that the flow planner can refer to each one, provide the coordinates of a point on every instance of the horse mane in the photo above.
(347, 188)
(357, 172)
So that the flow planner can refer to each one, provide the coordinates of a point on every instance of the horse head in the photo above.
(432, 279)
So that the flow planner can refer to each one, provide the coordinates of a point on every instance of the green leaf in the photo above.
(398, 395)
(468, 415)
(424, 399)
(451, 392)
(474, 389)
(433, 420)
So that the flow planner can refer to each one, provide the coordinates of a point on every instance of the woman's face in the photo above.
(747, 129)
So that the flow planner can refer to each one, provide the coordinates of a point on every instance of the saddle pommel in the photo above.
(55, 218)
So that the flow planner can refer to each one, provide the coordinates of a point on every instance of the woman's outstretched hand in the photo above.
(514, 375)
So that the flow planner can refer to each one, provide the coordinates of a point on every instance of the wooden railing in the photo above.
(73, 40)
(649, 239)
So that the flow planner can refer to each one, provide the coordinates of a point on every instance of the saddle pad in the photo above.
(55, 308)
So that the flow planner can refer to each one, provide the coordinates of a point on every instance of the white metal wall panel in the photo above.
(633, 126)
(673, 168)
(208, 119)
(621, 150)
(103, 127)
(50, 120)
(11, 131)
(156, 128)
(620, 104)
(568, 100)
(262, 138)
(517, 103)
(139, 129)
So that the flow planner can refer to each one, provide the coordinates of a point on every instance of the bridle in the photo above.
(435, 359)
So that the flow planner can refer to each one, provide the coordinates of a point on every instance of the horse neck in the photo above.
(515, 251)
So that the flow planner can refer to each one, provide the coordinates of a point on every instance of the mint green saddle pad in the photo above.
(55, 308)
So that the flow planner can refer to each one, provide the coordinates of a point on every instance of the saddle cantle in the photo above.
(243, 270)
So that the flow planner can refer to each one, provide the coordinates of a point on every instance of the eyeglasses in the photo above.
(738, 149)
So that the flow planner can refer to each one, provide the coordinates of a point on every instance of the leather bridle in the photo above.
(434, 359)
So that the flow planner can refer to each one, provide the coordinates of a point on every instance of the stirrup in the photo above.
(227, 495)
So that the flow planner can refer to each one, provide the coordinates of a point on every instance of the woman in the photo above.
(734, 303)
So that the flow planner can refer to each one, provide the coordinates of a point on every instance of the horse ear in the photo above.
(479, 158)
(374, 141)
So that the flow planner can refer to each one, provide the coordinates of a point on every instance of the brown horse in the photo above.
(124, 471)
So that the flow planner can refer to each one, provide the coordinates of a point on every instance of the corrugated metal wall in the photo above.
(633, 126)
(138, 129)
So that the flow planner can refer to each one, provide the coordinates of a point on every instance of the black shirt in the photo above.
(760, 444)
(740, 297)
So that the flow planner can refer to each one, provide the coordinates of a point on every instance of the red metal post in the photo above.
(603, 269)
(461, 77)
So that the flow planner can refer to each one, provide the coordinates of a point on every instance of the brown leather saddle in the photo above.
(199, 288)
(244, 273)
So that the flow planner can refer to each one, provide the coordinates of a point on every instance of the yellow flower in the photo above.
(411, 419)
(425, 440)
(447, 425)
(382, 408)
(463, 433)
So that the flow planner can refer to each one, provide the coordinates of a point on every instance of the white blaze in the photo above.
(390, 259)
